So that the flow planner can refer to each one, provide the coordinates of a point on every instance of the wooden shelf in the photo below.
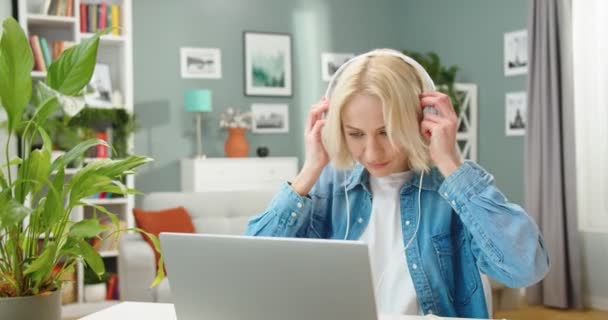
(108, 254)
(107, 201)
(109, 39)
(38, 74)
(50, 21)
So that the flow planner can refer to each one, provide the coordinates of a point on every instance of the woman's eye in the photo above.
(356, 134)
(383, 133)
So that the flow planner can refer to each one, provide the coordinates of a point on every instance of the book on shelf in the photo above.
(39, 64)
(94, 17)
(112, 287)
(63, 8)
(46, 53)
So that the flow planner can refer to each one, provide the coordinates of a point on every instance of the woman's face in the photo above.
(366, 138)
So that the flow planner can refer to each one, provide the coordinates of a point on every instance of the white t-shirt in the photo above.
(384, 236)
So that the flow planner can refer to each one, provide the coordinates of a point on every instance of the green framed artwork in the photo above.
(268, 67)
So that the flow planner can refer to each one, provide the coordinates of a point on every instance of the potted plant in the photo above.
(94, 285)
(36, 198)
(442, 76)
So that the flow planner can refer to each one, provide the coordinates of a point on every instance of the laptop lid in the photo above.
(256, 278)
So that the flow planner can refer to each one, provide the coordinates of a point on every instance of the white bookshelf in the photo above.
(117, 52)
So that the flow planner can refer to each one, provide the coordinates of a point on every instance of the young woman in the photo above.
(433, 223)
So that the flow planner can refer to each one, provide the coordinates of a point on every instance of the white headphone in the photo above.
(428, 85)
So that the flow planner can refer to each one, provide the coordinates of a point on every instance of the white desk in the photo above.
(165, 311)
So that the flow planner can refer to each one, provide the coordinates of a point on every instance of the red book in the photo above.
(111, 286)
(102, 150)
(103, 15)
(83, 17)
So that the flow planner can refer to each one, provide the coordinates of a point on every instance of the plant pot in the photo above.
(43, 306)
(236, 143)
(95, 292)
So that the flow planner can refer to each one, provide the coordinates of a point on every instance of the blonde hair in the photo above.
(398, 86)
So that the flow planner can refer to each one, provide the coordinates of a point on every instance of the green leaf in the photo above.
(44, 260)
(54, 208)
(77, 152)
(160, 272)
(47, 144)
(48, 107)
(92, 257)
(73, 70)
(34, 173)
(16, 63)
(13, 213)
(88, 228)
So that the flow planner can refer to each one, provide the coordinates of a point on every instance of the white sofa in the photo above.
(217, 212)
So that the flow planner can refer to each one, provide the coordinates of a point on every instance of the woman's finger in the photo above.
(316, 129)
(426, 128)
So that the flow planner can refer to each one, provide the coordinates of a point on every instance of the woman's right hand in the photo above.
(316, 156)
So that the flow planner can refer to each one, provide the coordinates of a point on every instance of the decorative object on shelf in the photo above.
(94, 285)
(236, 144)
(270, 118)
(99, 89)
(38, 200)
(236, 122)
(443, 77)
(198, 101)
(201, 63)
(330, 62)
(268, 70)
(516, 52)
(515, 113)
(262, 151)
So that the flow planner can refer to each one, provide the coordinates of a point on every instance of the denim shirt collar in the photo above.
(360, 176)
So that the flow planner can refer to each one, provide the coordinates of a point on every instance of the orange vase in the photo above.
(236, 143)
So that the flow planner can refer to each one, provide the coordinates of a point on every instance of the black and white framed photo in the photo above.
(269, 118)
(515, 113)
(331, 62)
(516, 53)
(99, 90)
(268, 70)
(203, 63)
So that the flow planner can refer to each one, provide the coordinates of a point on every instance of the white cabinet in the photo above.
(221, 174)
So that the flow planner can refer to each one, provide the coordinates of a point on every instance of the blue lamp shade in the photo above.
(198, 100)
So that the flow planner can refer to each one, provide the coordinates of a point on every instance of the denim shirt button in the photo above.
(430, 311)
(453, 202)
(407, 222)
(360, 220)
(445, 194)
(294, 215)
(299, 204)
(414, 266)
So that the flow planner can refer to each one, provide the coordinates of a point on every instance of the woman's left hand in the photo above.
(440, 130)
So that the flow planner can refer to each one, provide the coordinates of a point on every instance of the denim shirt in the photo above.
(466, 226)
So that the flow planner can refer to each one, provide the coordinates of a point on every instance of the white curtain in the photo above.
(590, 54)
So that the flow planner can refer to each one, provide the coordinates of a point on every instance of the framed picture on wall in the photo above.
(268, 69)
(201, 63)
(269, 118)
(516, 52)
(99, 89)
(331, 62)
(515, 113)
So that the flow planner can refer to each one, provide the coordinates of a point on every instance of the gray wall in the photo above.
(316, 26)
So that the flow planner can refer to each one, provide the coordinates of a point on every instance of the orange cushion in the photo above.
(167, 220)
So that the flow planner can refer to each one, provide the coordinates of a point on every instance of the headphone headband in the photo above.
(427, 82)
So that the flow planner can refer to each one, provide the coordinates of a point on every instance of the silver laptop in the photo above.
(254, 278)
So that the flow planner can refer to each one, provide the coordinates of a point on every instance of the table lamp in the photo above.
(198, 101)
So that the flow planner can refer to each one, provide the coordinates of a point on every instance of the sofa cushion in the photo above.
(167, 220)
(214, 212)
